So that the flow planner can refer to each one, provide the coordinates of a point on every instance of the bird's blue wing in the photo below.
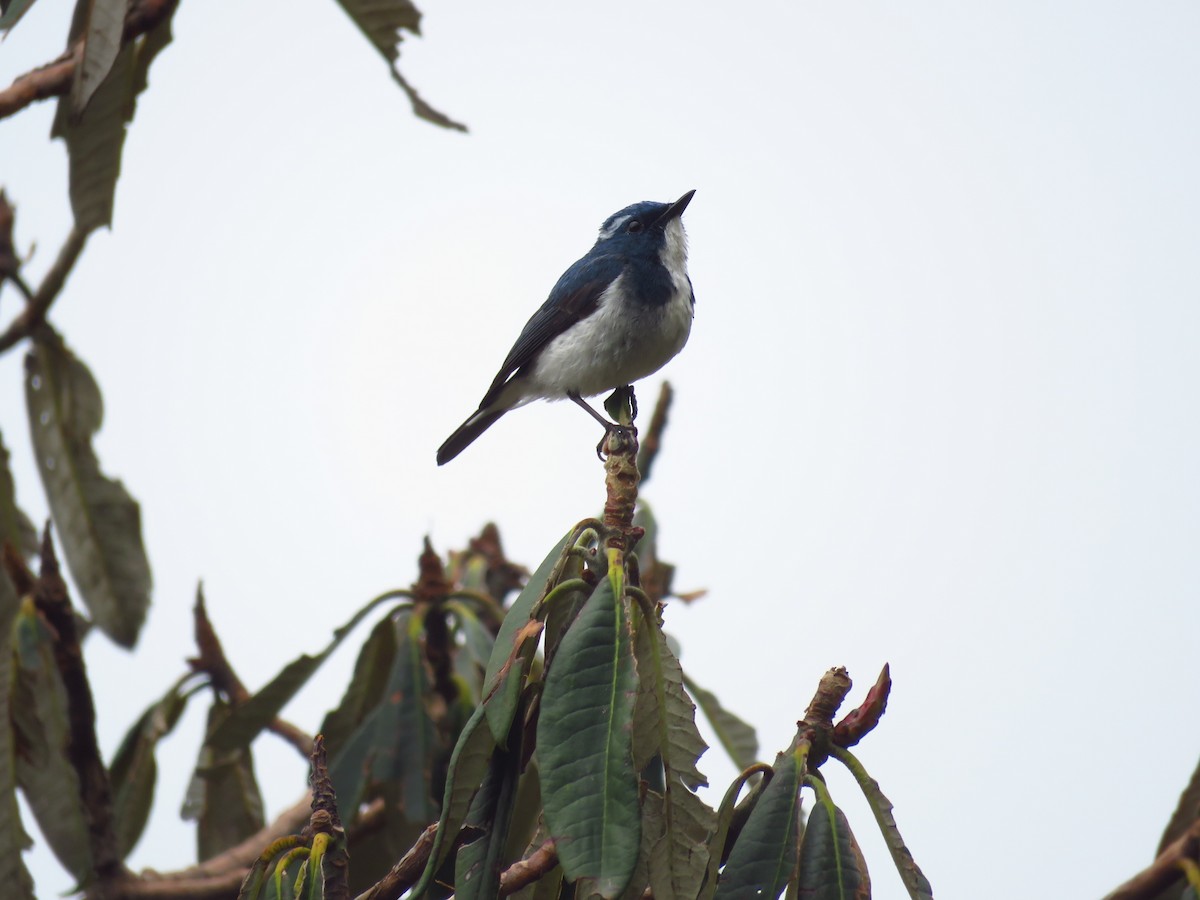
(575, 297)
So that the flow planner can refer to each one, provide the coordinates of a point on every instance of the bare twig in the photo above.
(32, 316)
(50, 597)
(528, 870)
(55, 77)
(653, 439)
(1164, 871)
(406, 872)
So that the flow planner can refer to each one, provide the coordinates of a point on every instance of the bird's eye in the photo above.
(635, 226)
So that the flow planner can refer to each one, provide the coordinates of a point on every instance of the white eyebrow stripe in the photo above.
(613, 228)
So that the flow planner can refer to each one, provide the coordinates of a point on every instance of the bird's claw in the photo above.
(620, 435)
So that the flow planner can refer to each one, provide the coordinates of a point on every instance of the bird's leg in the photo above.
(609, 427)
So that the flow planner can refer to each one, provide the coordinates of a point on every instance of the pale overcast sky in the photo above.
(938, 409)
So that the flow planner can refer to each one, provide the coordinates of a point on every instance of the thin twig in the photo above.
(528, 870)
(653, 437)
(34, 313)
(406, 872)
(55, 77)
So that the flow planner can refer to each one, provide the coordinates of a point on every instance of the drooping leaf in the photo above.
(665, 727)
(247, 720)
(468, 764)
(478, 864)
(11, 12)
(366, 687)
(728, 826)
(133, 773)
(13, 839)
(764, 858)
(832, 866)
(95, 139)
(512, 633)
(584, 745)
(104, 23)
(223, 796)
(382, 21)
(477, 643)
(99, 523)
(15, 527)
(914, 879)
(736, 737)
(44, 772)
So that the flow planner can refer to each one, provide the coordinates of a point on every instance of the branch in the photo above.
(50, 597)
(34, 313)
(653, 439)
(406, 872)
(528, 870)
(54, 79)
(1164, 871)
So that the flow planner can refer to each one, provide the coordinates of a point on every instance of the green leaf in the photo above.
(15, 527)
(512, 634)
(99, 523)
(95, 139)
(478, 864)
(382, 22)
(831, 864)
(365, 690)
(471, 660)
(584, 746)
(738, 738)
(13, 839)
(223, 796)
(105, 22)
(44, 772)
(764, 858)
(134, 770)
(11, 12)
(665, 726)
(728, 826)
(914, 879)
(468, 764)
(248, 719)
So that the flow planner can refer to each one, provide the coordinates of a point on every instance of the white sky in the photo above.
(938, 408)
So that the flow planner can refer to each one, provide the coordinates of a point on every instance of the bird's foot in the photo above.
(617, 439)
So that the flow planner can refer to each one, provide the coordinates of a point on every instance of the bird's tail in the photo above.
(476, 425)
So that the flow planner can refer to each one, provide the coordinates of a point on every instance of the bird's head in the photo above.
(644, 228)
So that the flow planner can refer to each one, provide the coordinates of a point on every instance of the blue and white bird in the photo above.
(618, 314)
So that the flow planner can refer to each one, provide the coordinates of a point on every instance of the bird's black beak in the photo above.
(675, 210)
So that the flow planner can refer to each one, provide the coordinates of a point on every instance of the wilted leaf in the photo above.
(133, 773)
(589, 786)
(44, 773)
(15, 527)
(95, 139)
(104, 23)
(99, 523)
(738, 738)
(914, 879)
(13, 839)
(665, 726)
(11, 12)
(382, 22)
(247, 720)
(223, 796)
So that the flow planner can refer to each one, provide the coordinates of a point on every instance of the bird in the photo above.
(621, 312)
